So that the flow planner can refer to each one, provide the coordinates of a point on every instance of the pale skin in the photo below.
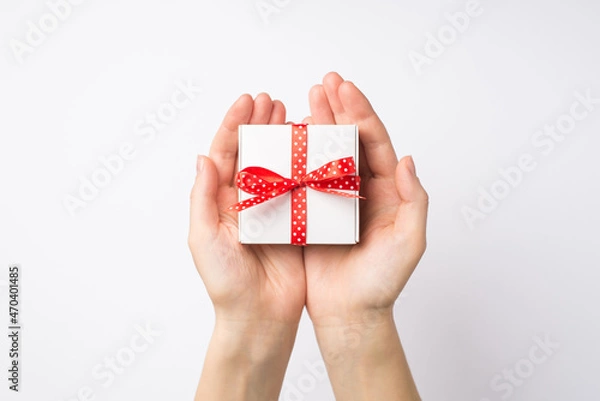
(259, 291)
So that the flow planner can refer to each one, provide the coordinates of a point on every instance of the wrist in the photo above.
(365, 336)
(349, 317)
(271, 313)
(246, 360)
(364, 357)
(254, 341)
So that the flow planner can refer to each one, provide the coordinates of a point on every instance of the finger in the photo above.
(308, 120)
(278, 113)
(223, 150)
(263, 106)
(331, 84)
(319, 106)
(379, 151)
(411, 218)
(204, 212)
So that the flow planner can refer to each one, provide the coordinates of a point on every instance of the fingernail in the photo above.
(411, 166)
(199, 164)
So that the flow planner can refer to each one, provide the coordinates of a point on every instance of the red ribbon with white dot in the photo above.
(331, 178)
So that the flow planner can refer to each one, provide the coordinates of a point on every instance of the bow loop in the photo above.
(260, 181)
(333, 170)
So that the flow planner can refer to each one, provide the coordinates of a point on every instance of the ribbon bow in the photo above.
(266, 184)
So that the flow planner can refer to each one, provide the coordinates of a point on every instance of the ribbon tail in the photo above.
(242, 205)
(257, 200)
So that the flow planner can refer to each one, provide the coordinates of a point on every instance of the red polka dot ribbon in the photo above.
(330, 178)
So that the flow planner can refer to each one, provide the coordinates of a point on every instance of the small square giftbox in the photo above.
(298, 184)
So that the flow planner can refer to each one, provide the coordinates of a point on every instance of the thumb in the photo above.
(411, 218)
(204, 212)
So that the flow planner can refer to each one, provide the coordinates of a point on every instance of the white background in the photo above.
(481, 293)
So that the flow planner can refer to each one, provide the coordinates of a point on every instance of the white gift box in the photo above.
(330, 218)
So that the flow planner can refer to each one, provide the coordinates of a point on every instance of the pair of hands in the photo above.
(254, 287)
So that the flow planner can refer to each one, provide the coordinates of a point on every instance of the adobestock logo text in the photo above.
(118, 363)
(505, 383)
(446, 35)
(110, 166)
(544, 141)
(38, 29)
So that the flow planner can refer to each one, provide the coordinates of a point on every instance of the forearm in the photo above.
(246, 361)
(365, 359)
